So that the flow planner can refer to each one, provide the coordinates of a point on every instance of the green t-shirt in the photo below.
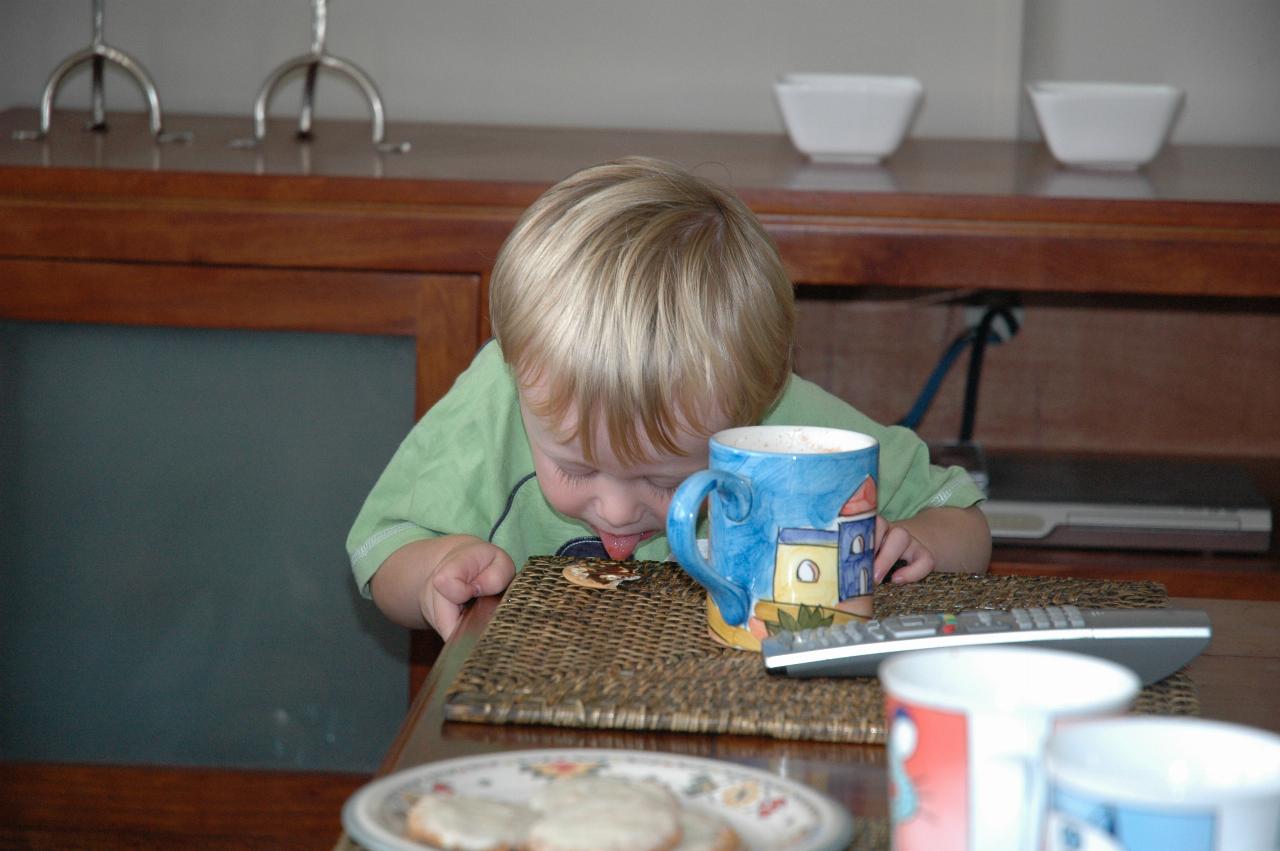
(465, 468)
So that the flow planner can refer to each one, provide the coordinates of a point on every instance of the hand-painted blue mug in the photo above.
(792, 518)
(1146, 783)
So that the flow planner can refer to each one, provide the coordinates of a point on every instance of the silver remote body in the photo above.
(1153, 643)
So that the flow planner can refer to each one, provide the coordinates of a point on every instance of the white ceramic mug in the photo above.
(1173, 784)
(966, 733)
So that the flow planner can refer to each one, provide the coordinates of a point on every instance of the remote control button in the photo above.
(803, 640)
(979, 621)
(816, 639)
(832, 636)
(910, 626)
(874, 630)
(850, 632)
(1074, 618)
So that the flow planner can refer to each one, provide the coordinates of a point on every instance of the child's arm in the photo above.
(952, 540)
(425, 583)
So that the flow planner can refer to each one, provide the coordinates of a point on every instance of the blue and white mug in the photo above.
(1145, 783)
(791, 520)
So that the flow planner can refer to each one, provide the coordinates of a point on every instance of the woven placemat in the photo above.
(639, 657)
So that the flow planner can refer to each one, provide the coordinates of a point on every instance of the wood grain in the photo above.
(941, 213)
(1156, 377)
(249, 298)
(128, 807)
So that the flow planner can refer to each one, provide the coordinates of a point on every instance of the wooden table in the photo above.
(1238, 679)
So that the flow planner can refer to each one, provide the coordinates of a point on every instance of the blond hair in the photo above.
(642, 294)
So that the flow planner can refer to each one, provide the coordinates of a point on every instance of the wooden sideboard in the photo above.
(330, 235)
(940, 213)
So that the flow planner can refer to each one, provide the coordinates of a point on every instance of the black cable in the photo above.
(980, 336)
(969, 337)
(911, 419)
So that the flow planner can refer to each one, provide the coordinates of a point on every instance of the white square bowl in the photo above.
(850, 118)
(1104, 125)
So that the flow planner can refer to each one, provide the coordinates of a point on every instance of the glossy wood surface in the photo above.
(105, 808)
(1237, 679)
(940, 213)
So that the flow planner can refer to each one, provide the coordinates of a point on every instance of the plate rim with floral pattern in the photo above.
(767, 810)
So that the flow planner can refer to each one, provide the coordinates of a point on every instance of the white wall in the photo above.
(690, 64)
(1224, 53)
(682, 64)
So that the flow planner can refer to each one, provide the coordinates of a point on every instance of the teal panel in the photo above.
(173, 509)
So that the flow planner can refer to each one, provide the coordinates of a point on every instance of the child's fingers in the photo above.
(451, 590)
(453, 587)
(898, 548)
(893, 542)
(913, 571)
(446, 616)
(496, 576)
(915, 560)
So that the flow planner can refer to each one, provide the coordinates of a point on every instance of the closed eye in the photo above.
(573, 478)
(662, 488)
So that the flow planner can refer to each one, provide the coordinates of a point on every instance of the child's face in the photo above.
(624, 504)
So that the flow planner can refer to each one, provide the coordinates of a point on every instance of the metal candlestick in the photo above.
(98, 54)
(311, 63)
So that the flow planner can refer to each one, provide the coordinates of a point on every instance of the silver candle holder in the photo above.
(97, 55)
(310, 64)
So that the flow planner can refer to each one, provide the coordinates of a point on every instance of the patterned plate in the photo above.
(767, 811)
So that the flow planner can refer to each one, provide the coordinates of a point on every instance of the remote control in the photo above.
(1154, 643)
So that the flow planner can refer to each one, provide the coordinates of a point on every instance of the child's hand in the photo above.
(898, 544)
(472, 568)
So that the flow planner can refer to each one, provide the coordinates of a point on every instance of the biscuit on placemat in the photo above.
(600, 575)
(641, 825)
(463, 823)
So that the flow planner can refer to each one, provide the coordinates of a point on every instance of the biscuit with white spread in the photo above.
(704, 831)
(639, 825)
(465, 823)
(615, 791)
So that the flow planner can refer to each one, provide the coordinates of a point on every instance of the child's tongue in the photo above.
(620, 547)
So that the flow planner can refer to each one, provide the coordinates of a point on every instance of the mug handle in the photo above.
(1037, 798)
(682, 534)
(1023, 781)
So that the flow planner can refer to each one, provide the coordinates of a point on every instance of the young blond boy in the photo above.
(637, 309)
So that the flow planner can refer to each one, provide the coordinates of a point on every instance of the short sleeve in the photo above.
(908, 483)
(452, 474)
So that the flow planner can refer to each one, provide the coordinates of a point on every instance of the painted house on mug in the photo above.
(810, 563)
